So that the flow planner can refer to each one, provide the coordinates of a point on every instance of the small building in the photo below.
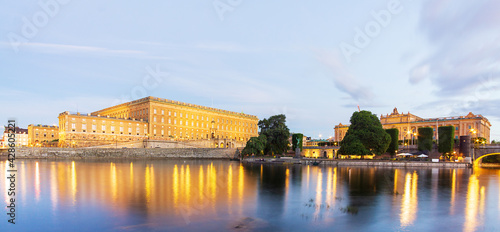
(43, 135)
(21, 137)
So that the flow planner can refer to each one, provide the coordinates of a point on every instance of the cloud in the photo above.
(467, 45)
(344, 80)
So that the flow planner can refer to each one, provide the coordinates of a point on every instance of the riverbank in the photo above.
(365, 163)
(134, 153)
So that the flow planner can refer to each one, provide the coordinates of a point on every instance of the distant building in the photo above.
(408, 124)
(42, 135)
(157, 119)
(21, 137)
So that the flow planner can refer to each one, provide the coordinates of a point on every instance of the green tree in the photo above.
(425, 139)
(277, 134)
(255, 145)
(394, 145)
(297, 139)
(446, 139)
(365, 136)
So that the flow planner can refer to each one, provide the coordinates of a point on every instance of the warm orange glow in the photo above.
(73, 181)
(147, 184)
(319, 189)
(53, 187)
(175, 186)
(37, 182)
(453, 190)
(114, 182)
(409, 201)
(471, 204)
(188, 184)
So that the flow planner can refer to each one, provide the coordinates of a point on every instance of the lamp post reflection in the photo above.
(409, 201)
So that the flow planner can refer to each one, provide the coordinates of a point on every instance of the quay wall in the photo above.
(90, 153)
(394, 163)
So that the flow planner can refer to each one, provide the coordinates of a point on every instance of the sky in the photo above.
(315, 61)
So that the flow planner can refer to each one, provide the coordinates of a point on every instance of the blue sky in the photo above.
(314, 62)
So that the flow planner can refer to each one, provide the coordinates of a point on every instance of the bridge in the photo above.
(485, 151)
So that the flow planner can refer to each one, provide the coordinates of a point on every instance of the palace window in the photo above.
(112, 128)
(73, 126)
(169, 113)
(84, 126)
(181, 115)
(187, 115)
(121, 129)
(154, 119)
(169, 121)
(162, 112)
(162, 119)
(154, 111)
(94, 127)
(130, 130)
(103, 127)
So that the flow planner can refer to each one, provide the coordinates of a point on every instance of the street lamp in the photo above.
(472, 131)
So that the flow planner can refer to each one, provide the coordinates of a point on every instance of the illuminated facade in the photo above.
(42, 135)
(21, 137)
(408, 124)
(84, 130)
(158, 119)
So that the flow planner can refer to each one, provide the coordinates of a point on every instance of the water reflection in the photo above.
(409, 202)
(214, 195)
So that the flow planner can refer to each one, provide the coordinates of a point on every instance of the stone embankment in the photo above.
(396, 164)
(86, 153)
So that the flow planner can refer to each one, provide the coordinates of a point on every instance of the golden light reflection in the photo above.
(73, 181)
(287, 183)
(114, 184)
(319, 189)
(241, 185)
(453, 190)
(37, 182)
(200, 182)
(147, 184)
(188, 184)
(230, 188)
(471, 204)
(229, 183)
(131, 174)
(329, 186)
(53, 187)
(409, 201)
(213, 184)
(395, 181)
(175, 186)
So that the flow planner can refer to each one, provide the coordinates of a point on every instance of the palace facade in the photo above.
(42, 135)
(408, 124)
(158, 119)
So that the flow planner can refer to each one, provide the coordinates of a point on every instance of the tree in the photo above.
(255, 145)
(446, 139)
(365, 136)
(277, 134)
(394, 145)
(297, 139)
(425, 139)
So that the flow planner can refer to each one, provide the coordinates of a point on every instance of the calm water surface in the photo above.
(202, 195)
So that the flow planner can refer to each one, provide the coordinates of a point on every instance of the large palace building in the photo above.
(157, 119)
(408, 124)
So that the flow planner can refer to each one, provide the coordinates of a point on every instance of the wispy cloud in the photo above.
(467, 45)
(344, 80)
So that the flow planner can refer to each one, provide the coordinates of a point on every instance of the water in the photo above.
(203, 195)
